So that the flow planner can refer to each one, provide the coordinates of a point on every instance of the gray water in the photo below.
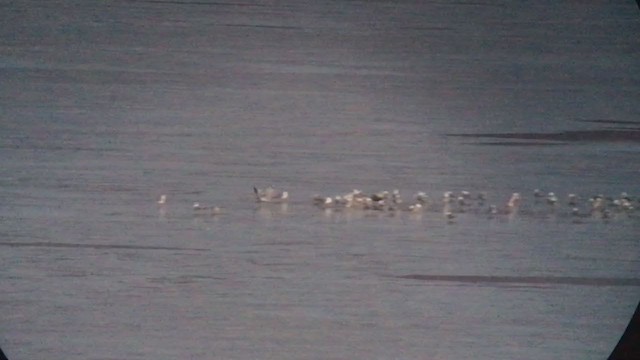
(104, 106)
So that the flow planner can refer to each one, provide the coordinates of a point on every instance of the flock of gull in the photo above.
(450, 204)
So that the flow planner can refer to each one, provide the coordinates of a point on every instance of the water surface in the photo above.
(106, 106)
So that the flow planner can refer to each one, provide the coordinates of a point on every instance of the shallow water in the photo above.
(107, 106)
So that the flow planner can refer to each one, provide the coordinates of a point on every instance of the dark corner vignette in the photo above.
(628, 347)
(2, 355)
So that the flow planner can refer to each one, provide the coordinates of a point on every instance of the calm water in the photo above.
(106, 106)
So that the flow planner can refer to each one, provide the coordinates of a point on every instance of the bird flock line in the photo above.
(450, 204)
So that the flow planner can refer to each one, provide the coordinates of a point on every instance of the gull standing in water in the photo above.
(162, 209)
(514, 203)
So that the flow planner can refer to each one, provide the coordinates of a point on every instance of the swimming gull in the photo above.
(270, 195)
(212, 210)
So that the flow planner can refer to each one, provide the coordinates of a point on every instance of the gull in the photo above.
(199, 209)
(363, 203)
(552, 199)
(537, 193)
(379, 196)
(379, 205)
(270, 195)
(163, 199)
(576, 216)
(395, 197)
(623, 204)
(318, 199)
(597, 204)
(355, 193)
(327, 203)
(514, 202)
(449, 216)
(421, 197)
(340, 200)
(353, 199)
(394, 202)
(447, 197)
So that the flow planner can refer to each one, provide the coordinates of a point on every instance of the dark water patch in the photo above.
(193, 192)
(285, 243)
(276, 264)
(427, 28)
(262, 26)
(205, 3)
(97, 246)
(619, 128)
(105, 187)
(183, 279)
(60, 148)
(516, 143)
(71, 273)
(606, 121)
(522, 280)
(628, 135)
(472, 3)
